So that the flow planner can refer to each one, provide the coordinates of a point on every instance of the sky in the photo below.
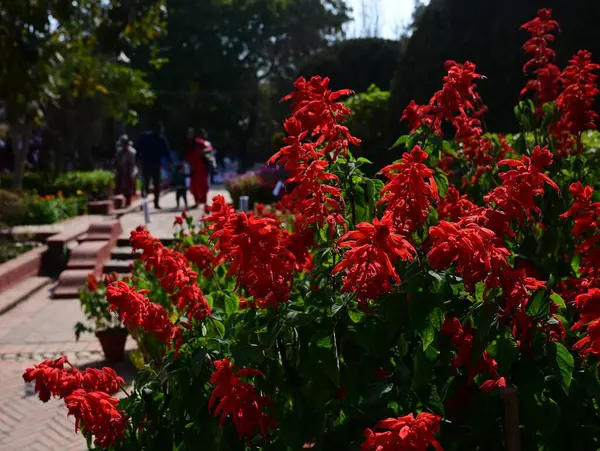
(393, 16)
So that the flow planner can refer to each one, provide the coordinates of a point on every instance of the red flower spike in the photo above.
(409, 191)
(471, 247)
(258, 259)
(98, 414)
(369, 264)
(135, 310)
(239, 401)
(522, 185)
(92, 282)
(576, 102)
(404, 433)
(53, 379)
(545, 86)
(202, 257)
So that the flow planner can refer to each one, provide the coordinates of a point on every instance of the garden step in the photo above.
(70, 282)
(124, 253)
(118, 266)
(18, 293)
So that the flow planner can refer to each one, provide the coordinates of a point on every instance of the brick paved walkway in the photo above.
(41, 328)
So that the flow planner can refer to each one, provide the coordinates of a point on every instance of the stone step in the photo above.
(118, 266)
(70, 282)
(20, 292)
(124, 253)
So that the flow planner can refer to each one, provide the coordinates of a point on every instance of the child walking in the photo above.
(180, 176)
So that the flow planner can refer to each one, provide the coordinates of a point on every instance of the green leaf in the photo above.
(539, 306)
(325, 342)
(336, 308)
(558, 300)
(479, 290)
(402, 140)
(355, 316)
(563, 364)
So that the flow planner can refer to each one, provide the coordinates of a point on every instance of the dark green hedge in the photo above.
(356, 63)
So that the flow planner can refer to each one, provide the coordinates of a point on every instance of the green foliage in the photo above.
(12, 249)
(368, 121)
(227, 72)
(33, 209)
(96, 185)
(96, 309)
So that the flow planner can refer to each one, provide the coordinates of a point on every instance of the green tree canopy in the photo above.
(221, 54)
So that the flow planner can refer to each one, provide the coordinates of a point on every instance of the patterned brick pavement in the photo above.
(41, 328)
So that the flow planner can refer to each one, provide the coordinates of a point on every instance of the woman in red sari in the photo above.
(198, 153)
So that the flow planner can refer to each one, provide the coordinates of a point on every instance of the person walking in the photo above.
(152, 148)
(126, 167)
(199, 155)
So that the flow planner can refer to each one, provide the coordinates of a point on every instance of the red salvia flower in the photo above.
(92, 282)
(369, 264)
(98, 414)
(455, 206)
(471, 247)
(589, 318)
(53, 379)
(576, 101)
(404, 434)
(409, 191)
(522, 184)
(238, 400)
(221, 213)
(314, 196)
(462, 338)
(316, 108)
(135, 310)
(176, 276)
(202, 257)
(545, 86)
(586, 213)
(258, 259)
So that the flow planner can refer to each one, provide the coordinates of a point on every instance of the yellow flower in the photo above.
(79, 192)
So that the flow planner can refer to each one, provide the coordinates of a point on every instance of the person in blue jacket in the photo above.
(152, 149)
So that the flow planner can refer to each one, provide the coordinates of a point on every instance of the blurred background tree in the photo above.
(89, 70)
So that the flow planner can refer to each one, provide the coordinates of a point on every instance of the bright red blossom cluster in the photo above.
(545, 86)
(404, 434)
(254, 248)
(369, 265)
(173, 270)
(410, 189)
(86, 394)
(136, 310)
(238, 399)
(462, 338)
(98, 413)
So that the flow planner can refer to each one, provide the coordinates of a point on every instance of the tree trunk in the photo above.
(20, 136)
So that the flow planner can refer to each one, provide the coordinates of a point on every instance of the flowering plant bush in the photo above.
(257, 185)
(454, 306)
(95, 306)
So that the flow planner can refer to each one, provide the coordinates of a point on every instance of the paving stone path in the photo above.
(41, 328)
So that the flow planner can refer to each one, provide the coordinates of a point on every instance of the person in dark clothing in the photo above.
(152, 148)
(179, 178)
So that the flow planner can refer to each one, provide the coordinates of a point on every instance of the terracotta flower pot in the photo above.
(113, 343)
